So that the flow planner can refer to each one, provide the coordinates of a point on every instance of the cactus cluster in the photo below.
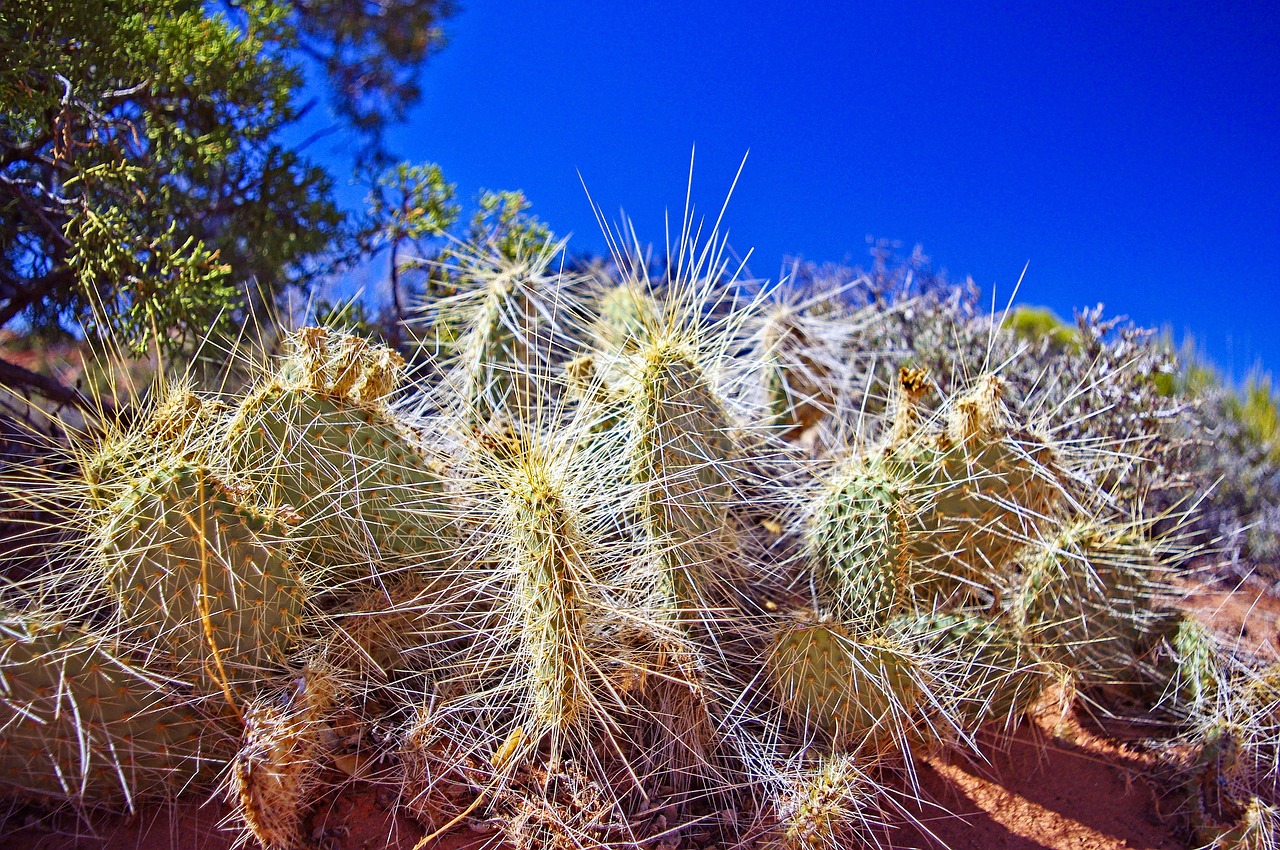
(616, 556)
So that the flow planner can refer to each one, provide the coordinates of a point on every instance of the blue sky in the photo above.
(1128, 154)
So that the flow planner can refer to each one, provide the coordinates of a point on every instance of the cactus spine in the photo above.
(828, 806)
(987, 486)
(553, 589)
(858, 544)
(854, 690)
(198, 571)
(981, 670)
(1087, 597)
(276, 770)
(681, 459)
(81, 724)
(318, 436)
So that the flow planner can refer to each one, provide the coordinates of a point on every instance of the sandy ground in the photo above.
(1065, 787)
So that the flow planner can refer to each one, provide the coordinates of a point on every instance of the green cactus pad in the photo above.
(682, 458)
(318, 438)
(80, 725)
(829, 806)
(853, 690)
(981, 669)
(626, 316)
(200, 573)
(178, 427)
(553, 588)
(1088, 599)
(985, 489)
(502, 354)
(858, 544)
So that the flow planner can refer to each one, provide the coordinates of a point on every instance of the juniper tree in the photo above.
(146, 190)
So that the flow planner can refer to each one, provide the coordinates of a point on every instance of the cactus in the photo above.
(1193, 672)
(553, 588)
(828, 806)
(516, 315)
(198, 571)
(581, 626)
(178, 426)
(854, 690)
(319, 437)
(981, 670)
(1087, 598)
(987, 487)
(799, 361)
(81, 724)
(275, 773)
(682, 459)
(1258, 828)
(858, 544)
(1253, 704)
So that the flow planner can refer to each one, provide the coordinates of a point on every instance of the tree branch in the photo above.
(24, 297)
(24, 380)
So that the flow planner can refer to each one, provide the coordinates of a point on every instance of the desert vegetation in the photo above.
(576, 552)
(630, 542)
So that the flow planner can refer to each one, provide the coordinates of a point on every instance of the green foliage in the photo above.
(1036, 324)
(1258, 415)
(146, 192)
(412, 201)
(502, 224)
(1190, 376)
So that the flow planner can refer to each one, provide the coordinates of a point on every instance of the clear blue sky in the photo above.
(1129, 153)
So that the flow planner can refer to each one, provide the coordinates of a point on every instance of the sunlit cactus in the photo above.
(200, 572)
(1088, 597)
(82, 724)
(828, 806)
(179, 426)
(987, 486)
(552, 588)
(981, 670)
(859, 543)
(859, 691)
(276, 772)
(517, 316)
(620, 564)
(318, 437)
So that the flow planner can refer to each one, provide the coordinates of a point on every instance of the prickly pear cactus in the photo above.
(277, 770)
(986, 487)
(858, 691)
(798, 372)
(682, 457)
(200, 572)
(1088, 599)
(554, 593)
(179, 426)
(318, 436)
(580, 623)
(827, 806)
(858, 543)
(81, 724)
(982, 671)
(626, 316)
